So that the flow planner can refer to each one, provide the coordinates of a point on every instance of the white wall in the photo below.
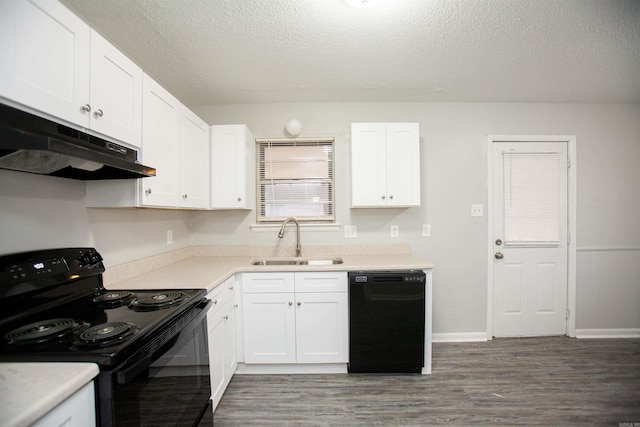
(38, 212)
(454, 176)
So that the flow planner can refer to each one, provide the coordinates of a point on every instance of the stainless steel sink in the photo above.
(298, 261)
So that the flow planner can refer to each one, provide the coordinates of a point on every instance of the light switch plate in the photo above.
(477, 210)
(426, 230)
(394, 230)
(350, 231)
(169, 237)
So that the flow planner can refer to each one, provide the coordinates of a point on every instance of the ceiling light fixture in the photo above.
(361, 3)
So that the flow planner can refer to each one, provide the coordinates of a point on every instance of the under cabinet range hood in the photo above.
(29, 143)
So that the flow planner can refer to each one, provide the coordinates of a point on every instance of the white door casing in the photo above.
(531, 288)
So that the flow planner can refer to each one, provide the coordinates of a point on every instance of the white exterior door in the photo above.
(530, 234)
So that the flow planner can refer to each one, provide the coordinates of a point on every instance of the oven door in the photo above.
(170, 386)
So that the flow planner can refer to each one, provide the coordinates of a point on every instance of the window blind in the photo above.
(295, 178)
(531, 198)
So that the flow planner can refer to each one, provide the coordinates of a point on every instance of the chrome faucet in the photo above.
(281, 233)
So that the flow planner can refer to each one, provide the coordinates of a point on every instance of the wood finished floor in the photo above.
(553, 381)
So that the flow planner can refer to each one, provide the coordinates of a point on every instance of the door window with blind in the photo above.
(531, 199)
(295, 179)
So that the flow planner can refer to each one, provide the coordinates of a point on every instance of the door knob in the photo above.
(499, 255)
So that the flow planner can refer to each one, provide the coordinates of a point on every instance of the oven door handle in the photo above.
(127, 375)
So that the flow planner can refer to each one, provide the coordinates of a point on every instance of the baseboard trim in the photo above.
(608, 333)
(291, 368)
(460, 337)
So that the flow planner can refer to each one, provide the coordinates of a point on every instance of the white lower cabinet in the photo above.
(77, 410)
(221, 326)
(295, 317)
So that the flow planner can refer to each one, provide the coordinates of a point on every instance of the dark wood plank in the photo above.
(530, 381)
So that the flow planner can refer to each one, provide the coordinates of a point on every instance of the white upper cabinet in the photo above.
(176, 143)
(45, 58)
(194, 161)
(385, 165)
(232, 167)
(116, 92)
(54, 63)
(160, 145)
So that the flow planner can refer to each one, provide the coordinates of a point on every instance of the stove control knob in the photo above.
(89, 259)
(84, 260)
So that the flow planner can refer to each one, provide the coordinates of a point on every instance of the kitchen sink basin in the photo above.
(298, 261)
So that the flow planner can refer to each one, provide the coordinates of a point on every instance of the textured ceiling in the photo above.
(256, 51)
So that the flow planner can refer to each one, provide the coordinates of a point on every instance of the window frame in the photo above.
(261, 181)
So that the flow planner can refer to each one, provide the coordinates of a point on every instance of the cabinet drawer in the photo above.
(326, 281)
(267, 282)
(222, 294)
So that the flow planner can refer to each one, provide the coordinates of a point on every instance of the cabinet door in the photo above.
(78, 410)
(215, 328)
(403, 164)
(231, 171)
(45, 52)
(324, 281)
(160, 145)
(368, 165)
(194, 161)
(322, 327)
(268, 282)
(269, 325)
(116, 92)
(230, 359)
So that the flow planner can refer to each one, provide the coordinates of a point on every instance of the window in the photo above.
(295, 179)
(531, 199)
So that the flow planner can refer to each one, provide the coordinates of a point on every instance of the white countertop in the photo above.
(207, 272)
(30, 390)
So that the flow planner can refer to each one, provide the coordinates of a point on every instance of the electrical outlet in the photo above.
(350, 231)
(169, 237)
(476, 210)
(394, 230)
(426, 230)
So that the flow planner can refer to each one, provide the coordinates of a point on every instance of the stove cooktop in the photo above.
(53, 307)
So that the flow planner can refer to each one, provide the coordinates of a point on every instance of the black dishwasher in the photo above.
(386, 321)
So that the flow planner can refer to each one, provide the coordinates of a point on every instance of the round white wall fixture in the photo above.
(294, 127)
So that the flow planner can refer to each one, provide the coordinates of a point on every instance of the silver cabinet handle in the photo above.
(215, 302)
(85, 108)
(98, 114)
(498, 242)
(384, 197)
(290, 303)
(147, 191)
(226, 317)
(299, 303)
(184, 196)
(239, 199)
(231, 287)
(391, 196)
(499, 255)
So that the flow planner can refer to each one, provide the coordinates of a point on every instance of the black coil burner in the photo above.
(106, 334)
(42, 332)
(113, 298)
(158, 301)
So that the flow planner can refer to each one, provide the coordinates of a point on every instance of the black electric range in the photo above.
(54, 307)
